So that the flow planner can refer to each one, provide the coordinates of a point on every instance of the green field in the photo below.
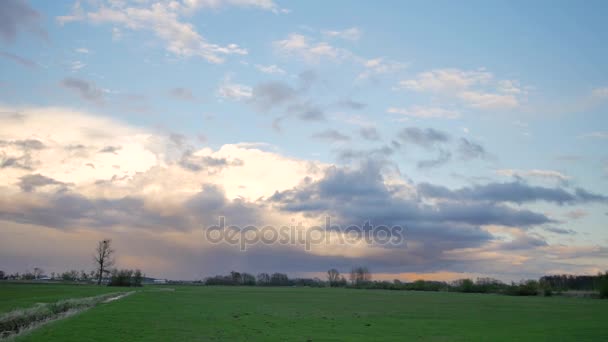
(191, 313)
(17, 296)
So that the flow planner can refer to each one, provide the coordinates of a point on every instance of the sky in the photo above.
(479, 127)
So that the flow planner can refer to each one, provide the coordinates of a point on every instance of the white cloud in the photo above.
(379, 66)
(600, 93)
(352, 34)
(233, 91)
(425, 112)
(162, 18)
(267, 5)
(83, 50)
(309, 50)
(596, 135)
(270, 69)
(477, 88)
(141, 162)
(446, 80)
(77, 65)
(489, 100)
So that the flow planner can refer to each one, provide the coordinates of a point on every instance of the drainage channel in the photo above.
(20, 321)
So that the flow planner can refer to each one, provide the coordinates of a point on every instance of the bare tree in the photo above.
(38, 273)
(333, 276)
(360, 276)
(103, 258)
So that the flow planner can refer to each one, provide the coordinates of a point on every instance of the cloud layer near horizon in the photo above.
(154, 193)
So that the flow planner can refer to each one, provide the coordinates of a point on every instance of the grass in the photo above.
(241, 313)
(22, 295)
(19, 320)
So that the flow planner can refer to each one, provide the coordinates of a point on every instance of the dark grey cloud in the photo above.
(29, 183)
(443, 157)
(306, 111)
(379, 153)
(354, 196)
(586, 196)
(269, 95)
(17, 15)
(26, 144)
(558, 230)
(66, 210)
(470, 150)
(183, 94)
(350, 104)
(110, 149)
(210, 164)
(516, 192)
(18, 59)
(427, 138)
(280, 96)
(369, 133)
(306, 79)
(86, 90)
(521, 242)
(362, 194)
(22, 162)
(331, 135)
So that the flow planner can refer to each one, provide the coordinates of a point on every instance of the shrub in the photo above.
(125, 278)
(604, 287)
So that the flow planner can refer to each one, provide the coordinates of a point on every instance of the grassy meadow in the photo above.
(207, 313)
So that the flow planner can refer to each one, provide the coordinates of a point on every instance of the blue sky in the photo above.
(489, 98)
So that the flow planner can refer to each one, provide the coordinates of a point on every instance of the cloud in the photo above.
(488, 100)
(268, 95)
(469, 150)
(77, 65)
(476, 88)
(29, 183)
(425, 112)
(85, 89)
(110, 149)
(561, 231)
(427, 138)
(576, 214)
(155, 194)
(83, 50)
(16, 16)
(600, 93)
(596, 135)
(331, 135)
(369, 133)
(183, 94)
(443, 157)
(233, 91)
(379, 66)
(309, 50)
(18, 59)
(534, 173)
(161, 18)
(515, 192)
(270, 69)
(267, 5)
(352, 34)
(350, 104)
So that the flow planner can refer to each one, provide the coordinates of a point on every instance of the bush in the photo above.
(604, 287)
(125, 278)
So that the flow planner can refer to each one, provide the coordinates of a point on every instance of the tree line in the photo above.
(361, 278)
(102, 274)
